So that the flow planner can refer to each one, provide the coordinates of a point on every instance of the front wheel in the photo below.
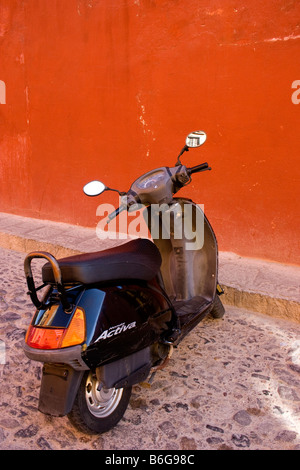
(96, 408)
(218, 309)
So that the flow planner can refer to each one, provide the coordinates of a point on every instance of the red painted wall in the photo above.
(109, 89)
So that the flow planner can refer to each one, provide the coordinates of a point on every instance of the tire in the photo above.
(97, 411)
(218, 309)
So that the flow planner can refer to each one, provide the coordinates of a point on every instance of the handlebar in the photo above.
(177, 180)
(197, 168)
(115, 213)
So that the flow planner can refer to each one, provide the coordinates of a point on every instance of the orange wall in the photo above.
(109, 89)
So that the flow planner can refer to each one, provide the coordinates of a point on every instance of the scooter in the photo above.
(109, 320)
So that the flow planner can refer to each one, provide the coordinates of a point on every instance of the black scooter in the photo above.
(110, 319)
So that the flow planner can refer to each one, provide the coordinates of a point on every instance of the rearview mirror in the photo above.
(195, 139)
(94, 188)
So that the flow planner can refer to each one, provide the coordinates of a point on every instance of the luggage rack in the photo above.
(32, 290)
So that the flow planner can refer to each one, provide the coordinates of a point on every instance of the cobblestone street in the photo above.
(232, 384)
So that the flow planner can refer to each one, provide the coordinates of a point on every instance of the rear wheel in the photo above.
(96, 408)
(218, 309)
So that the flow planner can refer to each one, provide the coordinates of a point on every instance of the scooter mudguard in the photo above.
(59, 387)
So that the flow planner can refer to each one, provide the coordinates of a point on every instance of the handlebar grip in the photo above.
(115, 213)
(197, 168)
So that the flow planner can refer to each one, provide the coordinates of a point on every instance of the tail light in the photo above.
(55, 338)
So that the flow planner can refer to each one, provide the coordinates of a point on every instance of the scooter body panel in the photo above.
(120, 320)
(189, 250)
(132, 317)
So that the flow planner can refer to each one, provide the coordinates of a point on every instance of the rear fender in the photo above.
(60, 383)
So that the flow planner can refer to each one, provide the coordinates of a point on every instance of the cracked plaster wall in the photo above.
(109, 90)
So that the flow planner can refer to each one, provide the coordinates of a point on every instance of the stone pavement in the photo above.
(231, 384)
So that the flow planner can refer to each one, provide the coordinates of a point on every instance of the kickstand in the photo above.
(149, 382)
(155, 369)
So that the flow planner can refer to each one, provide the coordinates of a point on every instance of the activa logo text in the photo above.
(116, 330)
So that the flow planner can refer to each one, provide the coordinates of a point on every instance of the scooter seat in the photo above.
(137, 259)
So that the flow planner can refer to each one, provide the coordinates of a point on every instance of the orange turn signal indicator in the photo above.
(56, 338)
